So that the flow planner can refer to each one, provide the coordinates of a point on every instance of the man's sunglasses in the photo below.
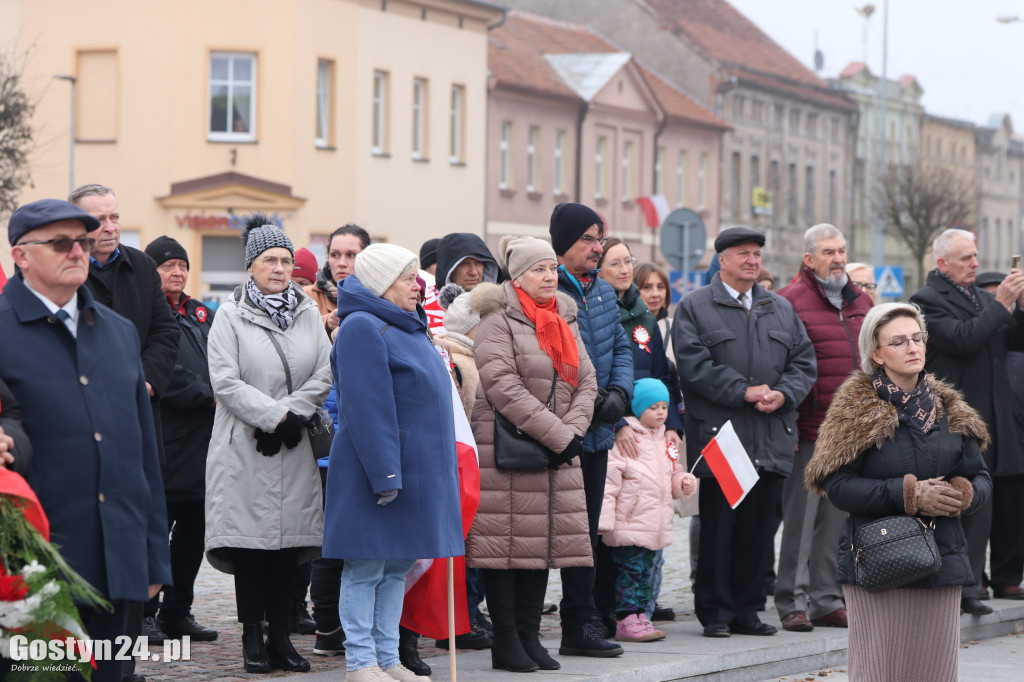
(65, 244)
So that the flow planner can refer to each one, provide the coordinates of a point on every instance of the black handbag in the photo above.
(894, 551)
(320, 426)
(514, 450)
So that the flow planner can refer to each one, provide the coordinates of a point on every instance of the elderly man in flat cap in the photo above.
(95, 469)
(743, 356)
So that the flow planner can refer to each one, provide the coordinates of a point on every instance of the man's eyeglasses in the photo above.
(589, 241)
(272, 261)
(616, 264)
(901, 342)
(65, 244)
(869, 286)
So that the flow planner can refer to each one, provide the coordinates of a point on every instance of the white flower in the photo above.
(32, 568)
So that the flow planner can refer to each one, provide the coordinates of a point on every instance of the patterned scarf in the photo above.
(966, 291)
(325, 284)
(918, 405)
(554, 336)
(278, 307)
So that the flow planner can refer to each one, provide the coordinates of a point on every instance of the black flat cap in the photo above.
(43, 212)
(986, 278)
(736, 235)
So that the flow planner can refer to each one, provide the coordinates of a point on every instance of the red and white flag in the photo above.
(3, 278)
(655, 208)
(730, 464)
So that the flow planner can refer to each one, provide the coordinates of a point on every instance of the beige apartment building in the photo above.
(317, 112)
(1000, 167)
(573, 118)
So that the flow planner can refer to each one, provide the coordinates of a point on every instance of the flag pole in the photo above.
(451, 618)
(697, 462)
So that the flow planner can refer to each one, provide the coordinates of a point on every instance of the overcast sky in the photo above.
(969, 65)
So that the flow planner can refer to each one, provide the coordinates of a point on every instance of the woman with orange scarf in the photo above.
(535, 371)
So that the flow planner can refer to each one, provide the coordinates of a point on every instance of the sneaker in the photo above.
(485, 624)
(186, 627)
(400, 672)
(636, 628)
(477, 638)
(330, 643)
(587, 641)
(150, 630)
(372, 673)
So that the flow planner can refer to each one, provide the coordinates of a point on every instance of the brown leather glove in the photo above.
(933, 497)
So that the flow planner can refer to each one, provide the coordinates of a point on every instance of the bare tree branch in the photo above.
(15, 134)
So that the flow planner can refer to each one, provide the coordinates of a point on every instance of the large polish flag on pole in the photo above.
(730, 464)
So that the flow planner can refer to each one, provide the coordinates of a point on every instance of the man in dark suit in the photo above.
(969, 334)
(95, 467)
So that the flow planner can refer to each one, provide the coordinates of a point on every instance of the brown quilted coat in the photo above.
(536, 519)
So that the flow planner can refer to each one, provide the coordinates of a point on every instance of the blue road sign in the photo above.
(890, 281)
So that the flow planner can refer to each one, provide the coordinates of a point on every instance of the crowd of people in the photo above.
(182, 432)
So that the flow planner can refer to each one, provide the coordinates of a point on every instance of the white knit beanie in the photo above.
(379, 265)
(458, 316)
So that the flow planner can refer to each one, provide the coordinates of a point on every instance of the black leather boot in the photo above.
(507, 652)
(536, 651)
(409, 652)
(254, 651)
(281, 653)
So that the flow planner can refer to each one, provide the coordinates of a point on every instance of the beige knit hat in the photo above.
(519, 254)
(378, 266)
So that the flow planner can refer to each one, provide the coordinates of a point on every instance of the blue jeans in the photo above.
(372, 593)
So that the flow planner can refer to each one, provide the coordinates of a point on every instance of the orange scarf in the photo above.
(554, 336)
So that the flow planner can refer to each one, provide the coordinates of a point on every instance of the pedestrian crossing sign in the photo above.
(890, 281)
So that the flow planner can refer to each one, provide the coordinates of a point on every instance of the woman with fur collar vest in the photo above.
(899, 441)
(535, 371)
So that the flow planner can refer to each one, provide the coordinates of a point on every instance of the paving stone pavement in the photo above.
(214, 607)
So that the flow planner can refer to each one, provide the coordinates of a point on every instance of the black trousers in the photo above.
(515, 599)
(186, 521)
(263, 584)
(735, 551)
(325, 582)
(1007, 536)
(577, 606)
(102, 625)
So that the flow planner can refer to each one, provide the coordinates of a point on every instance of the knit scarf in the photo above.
(918, 405)
(554, 336)
(278, 307)
(325, 284)
(967, 291)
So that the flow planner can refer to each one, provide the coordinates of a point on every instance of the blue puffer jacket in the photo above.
(606, 343)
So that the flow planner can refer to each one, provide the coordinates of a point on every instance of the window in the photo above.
(812, 125)
(791, 194)
(627, 171)
(835, 130)
(602, 142)
(780, 113)
(794, 120)
(735, 176)
(505, 156)
(419, 113)
(531, 159)
(659, 159)
(702, 181)
(757, 110)
(380, 112)
(832, 198)
(773, 184)
(755, 180)
(97, 99)
(457, 133)
(558, 181)
(738, 104)
(809, 196)
(232, 97)
(681, 180)
(324, 71)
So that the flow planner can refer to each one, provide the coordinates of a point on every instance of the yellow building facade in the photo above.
(317, 112)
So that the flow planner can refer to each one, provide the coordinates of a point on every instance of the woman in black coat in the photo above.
(898, 441)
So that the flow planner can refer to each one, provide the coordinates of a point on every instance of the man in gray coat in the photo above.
(743, 356)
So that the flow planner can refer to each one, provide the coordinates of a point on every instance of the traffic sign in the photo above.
(890, 281)
(681, 286)
(682, 239)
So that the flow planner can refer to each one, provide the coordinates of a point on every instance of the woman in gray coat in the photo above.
(270, 371)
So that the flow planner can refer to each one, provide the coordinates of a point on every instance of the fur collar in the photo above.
(858, 419)
(488, 298)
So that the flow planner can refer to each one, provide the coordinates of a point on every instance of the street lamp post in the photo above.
(71, 157)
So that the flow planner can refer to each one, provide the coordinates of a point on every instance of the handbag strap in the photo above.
(280, 354)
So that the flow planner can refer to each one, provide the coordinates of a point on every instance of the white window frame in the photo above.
(533, 141)
(378, 141)
(702, 182)
(681, 180)
(455, 147)
(323, 102)
(558, 181)
(505, 156)
(419, 99)
(659, 160)
(232, 83)
(627, 170)
(599, 167)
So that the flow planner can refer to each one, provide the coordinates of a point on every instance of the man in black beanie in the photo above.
(577, 234)
(428, 255)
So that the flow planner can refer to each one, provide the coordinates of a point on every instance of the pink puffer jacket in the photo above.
(638, 493)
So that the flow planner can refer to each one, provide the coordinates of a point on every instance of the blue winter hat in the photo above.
(646, 392)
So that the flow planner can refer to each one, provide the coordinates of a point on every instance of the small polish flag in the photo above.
(730, 464)
(655, 208)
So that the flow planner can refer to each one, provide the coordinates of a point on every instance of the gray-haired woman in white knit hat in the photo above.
(270, 371)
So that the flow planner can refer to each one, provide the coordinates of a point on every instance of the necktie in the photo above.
(62, 315)
(742, 298)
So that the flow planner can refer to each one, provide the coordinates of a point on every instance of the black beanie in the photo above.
(569, 222)
(163, 249)
(428, 253)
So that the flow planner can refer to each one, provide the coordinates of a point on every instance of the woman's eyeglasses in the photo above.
(273, 261)
(901, 342)
(616, 264)
(869, 286)
(65, 244)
